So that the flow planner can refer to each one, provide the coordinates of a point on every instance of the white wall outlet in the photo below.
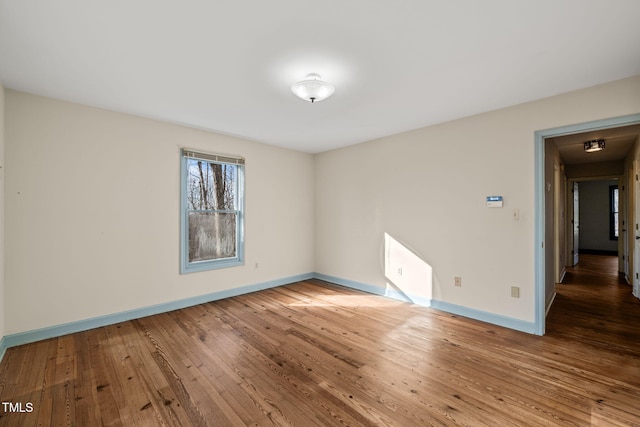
(457, 281)
(515, 292)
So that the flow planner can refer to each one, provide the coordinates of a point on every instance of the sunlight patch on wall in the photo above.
(407, 273)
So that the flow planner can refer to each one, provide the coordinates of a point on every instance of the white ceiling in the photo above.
(227, 66)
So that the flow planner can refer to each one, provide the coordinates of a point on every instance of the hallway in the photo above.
(594, 305)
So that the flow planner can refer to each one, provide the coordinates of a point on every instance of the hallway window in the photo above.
(613, 212)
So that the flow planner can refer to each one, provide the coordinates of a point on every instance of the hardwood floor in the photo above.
(316, 354)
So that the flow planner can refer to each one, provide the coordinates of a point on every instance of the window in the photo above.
(211, 214)
(613, 212)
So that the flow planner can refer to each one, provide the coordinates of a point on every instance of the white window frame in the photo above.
(185, 265)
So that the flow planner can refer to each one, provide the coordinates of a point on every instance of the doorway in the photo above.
(545, 225)
(599, 218)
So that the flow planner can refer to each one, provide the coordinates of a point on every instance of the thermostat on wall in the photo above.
(494, 201)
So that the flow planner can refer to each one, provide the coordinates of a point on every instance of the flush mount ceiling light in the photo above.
(312, 89)
(594, 145)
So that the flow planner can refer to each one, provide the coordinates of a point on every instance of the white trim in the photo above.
(110, 319)
(496, 319)
(3, 348)
(483, 316)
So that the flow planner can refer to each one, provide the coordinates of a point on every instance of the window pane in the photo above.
(212, 235)
(211, 212)
(613, 212)
(211, 186)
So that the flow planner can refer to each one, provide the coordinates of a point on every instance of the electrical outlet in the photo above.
(399, 271)
(515, 292)
(457, 281)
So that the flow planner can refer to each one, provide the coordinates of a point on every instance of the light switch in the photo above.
(515, 292)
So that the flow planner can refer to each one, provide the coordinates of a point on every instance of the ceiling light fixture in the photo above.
(312, 89)
(594, 145)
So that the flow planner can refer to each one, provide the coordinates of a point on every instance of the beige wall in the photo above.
(2, 167)
(91, 208)
(595, 215)
(92, 213)
(427, 189)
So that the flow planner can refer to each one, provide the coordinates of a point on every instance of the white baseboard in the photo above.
(496, 319)
(20, 338)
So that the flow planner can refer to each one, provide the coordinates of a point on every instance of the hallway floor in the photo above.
(594, 305)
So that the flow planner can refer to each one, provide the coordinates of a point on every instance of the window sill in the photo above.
(210, 265)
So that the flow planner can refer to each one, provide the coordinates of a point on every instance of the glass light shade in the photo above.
(313, 89)
(594, 145)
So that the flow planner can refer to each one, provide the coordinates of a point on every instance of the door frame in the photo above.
(575, 216)
(632, 229)
(540, 202)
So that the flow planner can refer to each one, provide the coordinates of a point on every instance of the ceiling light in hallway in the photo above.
(594, 145)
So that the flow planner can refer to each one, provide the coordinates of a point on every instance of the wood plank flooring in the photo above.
(312, 353)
